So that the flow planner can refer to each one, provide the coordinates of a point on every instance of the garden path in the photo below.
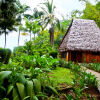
(96, 74)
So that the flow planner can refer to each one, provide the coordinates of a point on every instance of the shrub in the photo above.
(64, 63)
(35, 61)
(53, 54)
(2, 55)
(14, 86)
(93, 66)
(18, 50)
(29, 48)
(5, 55)
(8, 54)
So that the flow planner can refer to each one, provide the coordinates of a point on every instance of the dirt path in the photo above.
(96, 74)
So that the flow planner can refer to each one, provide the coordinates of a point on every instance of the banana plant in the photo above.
(22, 89)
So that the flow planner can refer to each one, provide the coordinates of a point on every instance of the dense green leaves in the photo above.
(28, 75)
(21, 90)
(8, 13)
(4, 74)
(29, 88)
(92, 12)
(37, 86)
(5, 55)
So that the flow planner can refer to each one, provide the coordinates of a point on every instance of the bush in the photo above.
(64, 63)
(14, 86)
(35, 61)
(18, 50)
(5, 55)
(29, 48)
(2, 55)
(8, 54)
(93, 66)
(53, 54)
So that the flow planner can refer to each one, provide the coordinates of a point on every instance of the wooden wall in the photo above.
(81, 56)
(90, 57)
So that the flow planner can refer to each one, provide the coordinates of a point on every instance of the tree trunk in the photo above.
(51, 31)
(34, 36)
(18, 37)
(5, 40)
(30, 35)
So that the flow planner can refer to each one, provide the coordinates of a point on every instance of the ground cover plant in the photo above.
(82, 82)
(93, 66)
(49, 75)
(61, 76)
(29, 84)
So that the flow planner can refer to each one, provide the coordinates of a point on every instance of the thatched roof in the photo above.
(82, 35)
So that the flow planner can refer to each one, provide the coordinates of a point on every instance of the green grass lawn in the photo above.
(61, 76)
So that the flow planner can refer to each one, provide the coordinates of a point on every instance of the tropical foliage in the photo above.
(35, 71)
(8, 12)
(92, 12)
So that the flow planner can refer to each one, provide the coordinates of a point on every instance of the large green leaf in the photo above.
(21, 90)
(10, 88)
(27, 98)
(4, 74)
(29, 88)
(51, 90)
(15, 94)
(37, 86)
(35, 98)
(20, 78)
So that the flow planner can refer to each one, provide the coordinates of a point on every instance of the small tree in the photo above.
(49, 19)
(21, 10)
(28, 26)
(32, 27)
(92, 12)
(36, 28)
(8, 12)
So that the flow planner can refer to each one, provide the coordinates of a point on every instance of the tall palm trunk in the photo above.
(18, 37)
(30, 34)
(51, 31)
(5, 40)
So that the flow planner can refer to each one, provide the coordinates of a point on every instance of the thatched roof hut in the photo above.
(82, 36)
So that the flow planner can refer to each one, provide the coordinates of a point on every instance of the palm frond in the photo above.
(44, 10)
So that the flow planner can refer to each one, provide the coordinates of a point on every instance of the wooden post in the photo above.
(67, 56)
(61, 55)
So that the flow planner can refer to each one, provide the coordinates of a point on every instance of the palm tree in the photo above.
(49, 19)
(8, 13)
(28, 26)
(21, 10)
(59, 28)
(36, 28)
(37, 14)
(32, 27)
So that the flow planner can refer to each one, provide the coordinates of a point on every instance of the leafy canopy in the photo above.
(92, 12)
(8, 12)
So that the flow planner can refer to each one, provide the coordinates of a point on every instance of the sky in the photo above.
(63, 7)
